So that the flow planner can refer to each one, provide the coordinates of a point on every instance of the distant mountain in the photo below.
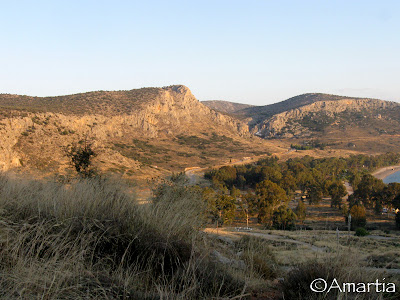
(347, 122)
(262, 112)
(323, 115)
(226, 107)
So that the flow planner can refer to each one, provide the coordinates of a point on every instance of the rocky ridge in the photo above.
(34, 130)
(288, 123)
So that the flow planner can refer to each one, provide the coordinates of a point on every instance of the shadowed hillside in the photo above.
(226, 106)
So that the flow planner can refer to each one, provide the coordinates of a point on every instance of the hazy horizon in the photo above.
(253, 52)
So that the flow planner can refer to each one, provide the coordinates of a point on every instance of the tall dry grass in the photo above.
(90, 239)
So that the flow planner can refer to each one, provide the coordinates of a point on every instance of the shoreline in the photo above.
(382, 173)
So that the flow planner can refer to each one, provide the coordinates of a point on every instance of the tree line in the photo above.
(264, 188)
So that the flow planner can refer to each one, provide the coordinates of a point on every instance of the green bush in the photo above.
(361, 231)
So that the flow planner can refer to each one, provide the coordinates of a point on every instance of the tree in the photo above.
(81, 158)
(220, 206)
(283, 218)
(337, 190)
(226, 208)
(304, 180)
(301, 211)
(246, 204)
(368, 190)
(358, 217)
(387, 197)
(314, 194)
(269, 196)
(288, 182)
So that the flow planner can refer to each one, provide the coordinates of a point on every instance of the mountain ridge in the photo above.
(130, 129)
(150, 130)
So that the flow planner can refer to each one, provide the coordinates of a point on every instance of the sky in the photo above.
(256, 52)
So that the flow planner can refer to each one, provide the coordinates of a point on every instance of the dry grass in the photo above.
(342, 267)
(89, 239)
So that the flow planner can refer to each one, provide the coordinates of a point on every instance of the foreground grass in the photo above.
(89, 239)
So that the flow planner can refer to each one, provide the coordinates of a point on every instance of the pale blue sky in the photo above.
(256, 52)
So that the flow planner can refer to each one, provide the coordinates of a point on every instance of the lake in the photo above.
(395, 177)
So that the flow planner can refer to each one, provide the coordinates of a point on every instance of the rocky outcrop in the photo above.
(274, 125)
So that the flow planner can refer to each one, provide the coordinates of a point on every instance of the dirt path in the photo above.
(274, 237)
(223, 232)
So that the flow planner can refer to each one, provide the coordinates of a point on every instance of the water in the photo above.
(395, 177)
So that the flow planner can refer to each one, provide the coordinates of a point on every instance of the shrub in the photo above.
(361, 231)
(81, 158)
(398, 220)
(258, 256)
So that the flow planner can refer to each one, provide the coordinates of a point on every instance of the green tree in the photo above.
(246, 205)
(226, 209)
(269, 196)
(301, 211)
(288, 182)
(337, 191)
(283, 218)
(368, 189)
(387, 197)
(358, 217)
(81, 158)
(314, 193)
(220, 206)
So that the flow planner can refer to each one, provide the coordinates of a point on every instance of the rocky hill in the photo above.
(149, 130)
(342, 114)
(262, 112)
(226, 107)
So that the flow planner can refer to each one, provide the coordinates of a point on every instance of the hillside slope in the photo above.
(369, 125)
(226, 107)
(265, 111)
(147, 131)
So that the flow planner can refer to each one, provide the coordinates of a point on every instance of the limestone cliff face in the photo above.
(176, 107)
(39, 137)
(290, 120)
